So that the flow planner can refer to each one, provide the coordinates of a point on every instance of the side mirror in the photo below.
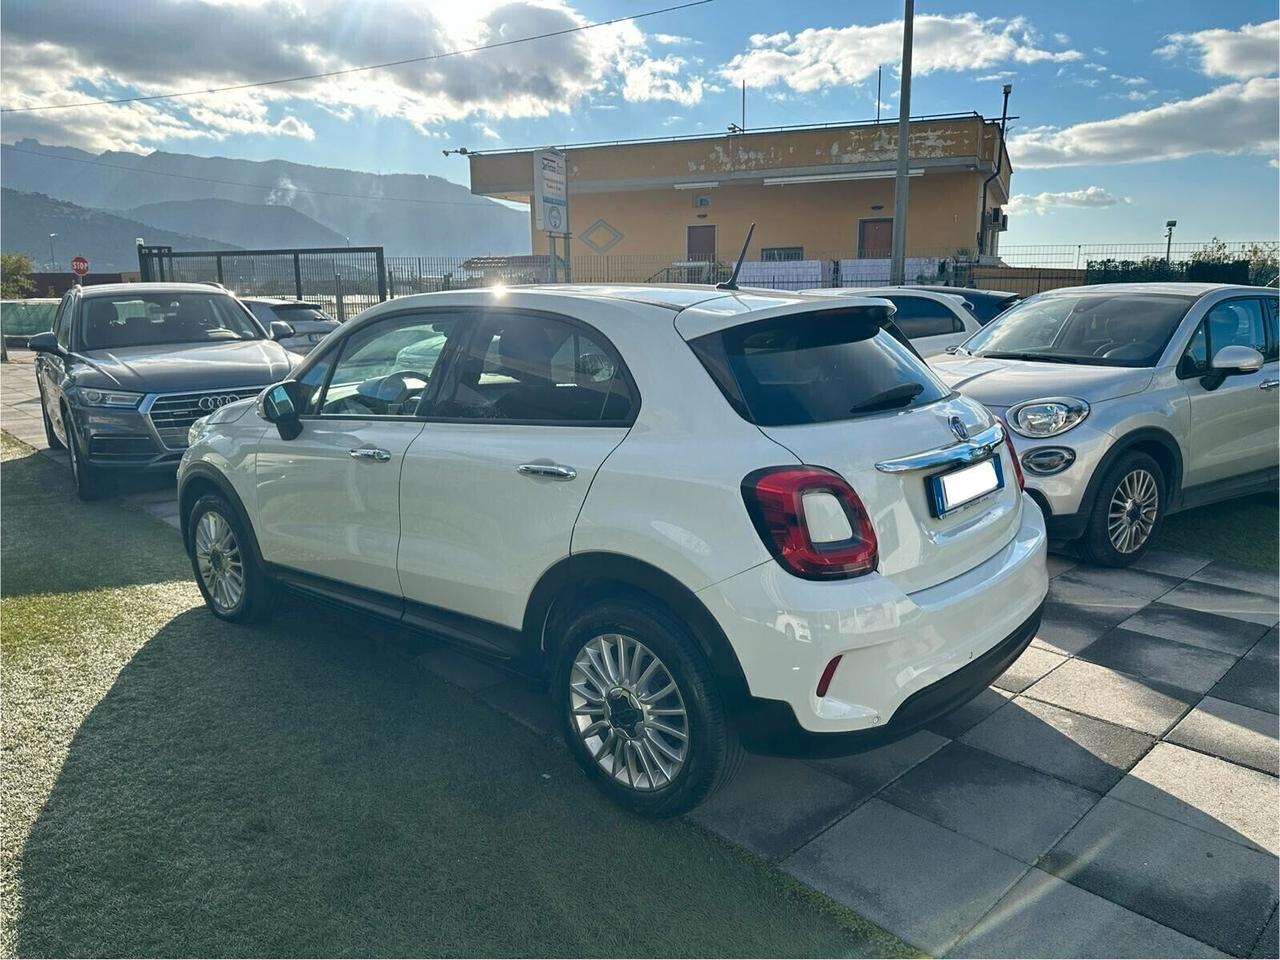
(280, 330)
(280, 404)
(953, 349)
(45, 342)
(1236, 359)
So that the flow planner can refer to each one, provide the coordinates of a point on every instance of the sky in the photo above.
(1128, 113)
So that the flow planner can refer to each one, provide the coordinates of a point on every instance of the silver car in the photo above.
(1130, 402)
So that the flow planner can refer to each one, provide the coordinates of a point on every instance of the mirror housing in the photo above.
(45, 342)
(282, 330)
(1236, 359)
(280, 404)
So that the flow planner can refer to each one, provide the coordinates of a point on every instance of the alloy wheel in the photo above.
(1132, 512)
(218, 558)
(627, 709)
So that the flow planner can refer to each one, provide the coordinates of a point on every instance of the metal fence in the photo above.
(345, 280)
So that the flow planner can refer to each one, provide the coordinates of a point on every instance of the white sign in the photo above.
(550, 191)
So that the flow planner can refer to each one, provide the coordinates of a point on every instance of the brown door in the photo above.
(702, 242)
(875, 237)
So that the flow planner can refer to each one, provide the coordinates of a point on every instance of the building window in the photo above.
(702, 200)
(774, 254)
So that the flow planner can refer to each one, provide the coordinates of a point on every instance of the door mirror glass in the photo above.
(281, 330)
(45, 342)
(279, 404)
(1236, 359)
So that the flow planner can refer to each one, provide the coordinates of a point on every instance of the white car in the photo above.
(932, 321)
(711, 519)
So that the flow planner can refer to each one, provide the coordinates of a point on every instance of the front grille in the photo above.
(172, 413)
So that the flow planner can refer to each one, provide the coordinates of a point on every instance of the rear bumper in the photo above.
(770, 726)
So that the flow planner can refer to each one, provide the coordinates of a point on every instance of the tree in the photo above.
(15, 276)
(1262, 258)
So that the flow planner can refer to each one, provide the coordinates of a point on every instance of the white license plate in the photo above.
(955, 489)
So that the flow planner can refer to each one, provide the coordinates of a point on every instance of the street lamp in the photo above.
(1168, 239)
(53, 263)
(461, 151)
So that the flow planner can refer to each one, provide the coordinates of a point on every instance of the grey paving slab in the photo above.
(774, 806)
(1016, 810)
(1043, 916)
(1059, 564)
(1268, 648)
(1208, 630)
(1068, 629)
(1143, 584)
(1251, 682)
(1215, 796)
(927, 884)
(1096, 600)
(1154, 658)
(1170, 563)
(1211, 598)
(959, 722)
(1218, 892)
(1233, 732)
(1082, 750)
(1034, 663)
(460, 669)
(1144, 705)
(1233, 575)
(868, 772)
(525, 702)
(1268, 944)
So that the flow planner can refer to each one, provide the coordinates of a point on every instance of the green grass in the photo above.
(1244, 531)
(176, 786)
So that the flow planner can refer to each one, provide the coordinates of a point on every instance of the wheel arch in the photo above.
(583, 577)
(1156, 443)
(201, 479)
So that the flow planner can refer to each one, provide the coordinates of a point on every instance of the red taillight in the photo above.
(812, 521)
(825, 680)
(1013, 455)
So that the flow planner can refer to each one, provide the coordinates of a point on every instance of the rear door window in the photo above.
(815, 367)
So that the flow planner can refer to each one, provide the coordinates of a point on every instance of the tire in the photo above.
(91, 482)
(225, 565)
(1116, 539)
(658, 773)
(50, 435)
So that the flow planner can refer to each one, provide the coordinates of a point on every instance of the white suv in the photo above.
(711, 519)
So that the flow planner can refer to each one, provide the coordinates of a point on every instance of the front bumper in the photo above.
(121, 439)
(893, 645)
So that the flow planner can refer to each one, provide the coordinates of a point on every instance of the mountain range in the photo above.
(258, 204)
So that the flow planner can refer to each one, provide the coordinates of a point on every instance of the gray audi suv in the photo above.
(129, 367)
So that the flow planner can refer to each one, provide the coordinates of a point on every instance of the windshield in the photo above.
(303, 311)
(1116, 329)
(152, 319)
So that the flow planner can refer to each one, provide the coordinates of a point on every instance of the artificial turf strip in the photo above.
(1244, 531)
(175, 786)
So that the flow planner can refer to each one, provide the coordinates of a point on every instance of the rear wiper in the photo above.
(898, 396)
(1043, 357)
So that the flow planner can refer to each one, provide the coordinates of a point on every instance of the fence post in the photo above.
(391, 282)
(551, 246)
(337, 290)
(382, 274)
(297, 274)
(217, 266)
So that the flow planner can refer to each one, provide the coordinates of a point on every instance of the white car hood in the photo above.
(1002, 383)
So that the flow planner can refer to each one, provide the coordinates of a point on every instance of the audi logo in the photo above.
(213, 403)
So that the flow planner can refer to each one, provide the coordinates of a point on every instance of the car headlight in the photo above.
(1048, 417)
(110, 398)
(195, 430)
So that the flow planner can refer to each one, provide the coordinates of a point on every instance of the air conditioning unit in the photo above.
(1004, 222)
(995, 213)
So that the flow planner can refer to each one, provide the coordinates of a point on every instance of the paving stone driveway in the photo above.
(1113, 794)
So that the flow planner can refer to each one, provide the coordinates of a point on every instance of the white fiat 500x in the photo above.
(711, 519)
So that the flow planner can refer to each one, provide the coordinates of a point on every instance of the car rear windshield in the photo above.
(151, 319)
(816, 367)
(301, 311)
(1114, 328)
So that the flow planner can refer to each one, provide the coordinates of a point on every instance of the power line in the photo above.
(349, 70)
(251, 186)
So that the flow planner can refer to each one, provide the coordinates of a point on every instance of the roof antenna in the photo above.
(732, 282)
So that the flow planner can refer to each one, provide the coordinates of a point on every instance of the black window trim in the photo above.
(469, 316)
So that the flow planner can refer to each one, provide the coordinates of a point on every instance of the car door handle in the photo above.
(1269, 384)
(376, 454)
(551, 471)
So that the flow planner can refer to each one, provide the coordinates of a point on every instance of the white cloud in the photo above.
(999, 75)
(60, 51)
(829, 56)
(1130, 81)
(1091, 197)
(1235, 118)
(1243, 54)
(673, 39)
(1061, 39)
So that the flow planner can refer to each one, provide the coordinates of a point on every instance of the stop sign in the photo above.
(79, 266)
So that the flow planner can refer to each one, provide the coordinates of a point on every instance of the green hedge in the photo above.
(22, 318)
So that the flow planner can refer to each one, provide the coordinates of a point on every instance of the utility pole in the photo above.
(879, 83)
(897, 266)
(53, 263)
(1168, 240)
